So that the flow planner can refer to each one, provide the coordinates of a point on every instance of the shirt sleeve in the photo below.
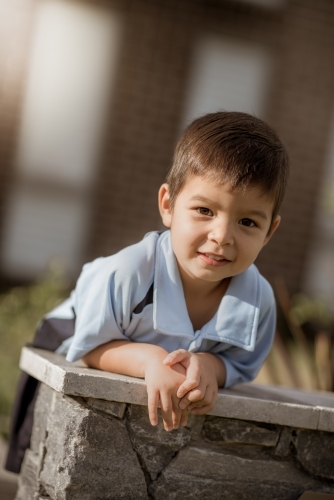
(242, 365)
(106, 293)
(97, 319)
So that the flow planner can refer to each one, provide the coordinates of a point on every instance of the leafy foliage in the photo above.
(20, 310)
(303, 352)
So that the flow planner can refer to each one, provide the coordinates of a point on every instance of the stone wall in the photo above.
(84, 448)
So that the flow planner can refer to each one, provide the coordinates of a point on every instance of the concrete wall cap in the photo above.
(270, 404)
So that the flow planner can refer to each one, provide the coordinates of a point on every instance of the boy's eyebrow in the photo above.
(199, 197)
(261, 214)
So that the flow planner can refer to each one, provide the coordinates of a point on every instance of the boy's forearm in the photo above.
(218, 365)
(124, 357)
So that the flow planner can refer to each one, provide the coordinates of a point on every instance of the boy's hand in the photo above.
(162, 384)
(145, 361)
(205, 372)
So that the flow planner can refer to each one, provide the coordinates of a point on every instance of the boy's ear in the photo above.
(274, 225)
(164, 205)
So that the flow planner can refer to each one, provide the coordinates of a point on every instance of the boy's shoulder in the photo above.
(252, 287)
(130, 270)
(130, 259)
(267, 293)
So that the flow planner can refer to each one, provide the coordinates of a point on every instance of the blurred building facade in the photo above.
(93, 95)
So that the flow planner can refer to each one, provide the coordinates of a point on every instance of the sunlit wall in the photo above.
(69, 83)
(319, 273)
(94, 94)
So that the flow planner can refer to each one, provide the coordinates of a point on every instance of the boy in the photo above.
(186, 309)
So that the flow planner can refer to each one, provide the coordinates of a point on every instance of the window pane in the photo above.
(320, 265)
(72, 67)
(39, 226)
(228, 75)
(73, 56)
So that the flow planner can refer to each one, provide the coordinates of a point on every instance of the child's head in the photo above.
(231, 148)
(222, 195)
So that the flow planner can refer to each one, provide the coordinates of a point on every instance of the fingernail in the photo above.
(182, 406)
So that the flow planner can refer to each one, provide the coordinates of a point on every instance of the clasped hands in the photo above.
(181, 382)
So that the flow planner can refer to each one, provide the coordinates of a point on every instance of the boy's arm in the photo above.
(145, 361)
(124, 357)
(106, 294)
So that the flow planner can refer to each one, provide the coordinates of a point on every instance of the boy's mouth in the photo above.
(213, 259)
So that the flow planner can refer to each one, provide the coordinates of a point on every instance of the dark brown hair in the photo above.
(232, 147)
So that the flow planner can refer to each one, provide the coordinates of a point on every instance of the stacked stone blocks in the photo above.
(91, 449)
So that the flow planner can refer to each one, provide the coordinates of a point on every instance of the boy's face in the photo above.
(216, 232)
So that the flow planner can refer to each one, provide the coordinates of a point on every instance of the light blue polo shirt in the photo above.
(137, 295)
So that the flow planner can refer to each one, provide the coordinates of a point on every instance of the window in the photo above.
(72, 65)
(228, 74)
(320, 263)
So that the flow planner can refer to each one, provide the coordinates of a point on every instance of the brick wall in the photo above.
(301, 109)
(16, 23)
(148, 105)
(147, 108)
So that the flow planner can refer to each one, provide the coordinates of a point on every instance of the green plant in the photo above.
(20, 310)
(302, 355)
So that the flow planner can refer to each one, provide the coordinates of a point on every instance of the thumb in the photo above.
(178, 356)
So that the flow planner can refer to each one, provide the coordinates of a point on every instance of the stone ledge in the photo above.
(90, 449)
(269, 404)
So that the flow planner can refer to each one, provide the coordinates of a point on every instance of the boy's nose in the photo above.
(222, 234)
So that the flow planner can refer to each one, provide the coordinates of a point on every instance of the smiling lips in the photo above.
(212, 259)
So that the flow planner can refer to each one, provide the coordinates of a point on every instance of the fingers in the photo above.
(179, 417)
(199, 403)
(172, 415)
(188, 385)
(184, 418)
(202, 410)
(197, 394)
(176, 418)
(192, 381)
(166, 411)
(153, 399)
(176, 412)
(176, 357)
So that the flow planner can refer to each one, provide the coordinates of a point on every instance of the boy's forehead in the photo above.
(198, 185)
(210, 192)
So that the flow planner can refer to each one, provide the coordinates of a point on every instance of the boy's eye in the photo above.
(247, 222)
(204, 211)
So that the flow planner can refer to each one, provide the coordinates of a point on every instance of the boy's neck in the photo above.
(193, 287)
(205, 290)
(203, 299)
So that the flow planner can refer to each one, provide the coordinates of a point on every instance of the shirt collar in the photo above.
(236, 321)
